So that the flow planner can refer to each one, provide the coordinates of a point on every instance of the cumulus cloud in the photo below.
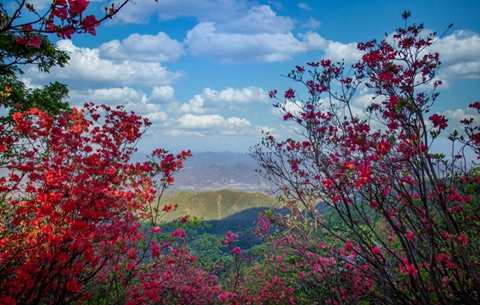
(200, 117)
(133, 100)
(163, 94)
(87, 68)
(246, 95)
(143, 48)
(259, 19)
(365, 99)
(204, 41)
(266, 129)
(455, 116)
(194, 105)
(459, 55)
(337, 51)
(459, 114)
(211, 100)
(206, 124)
(136, 10)
(110, 96)
(228, 31)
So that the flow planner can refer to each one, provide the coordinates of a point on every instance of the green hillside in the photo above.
(214, 205)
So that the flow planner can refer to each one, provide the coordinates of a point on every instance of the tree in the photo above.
(408, 228)
(24, 41)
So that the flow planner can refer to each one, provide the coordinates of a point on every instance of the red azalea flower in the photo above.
(439, 121)
(290, 94)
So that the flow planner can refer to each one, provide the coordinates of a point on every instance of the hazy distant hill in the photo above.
(215, 205)
(219, 170)
(206, 171)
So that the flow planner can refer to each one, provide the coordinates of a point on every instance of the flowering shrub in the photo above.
(72, 208)
(79, 223)
(401, 219)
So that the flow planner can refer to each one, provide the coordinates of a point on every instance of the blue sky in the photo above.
(201, 70)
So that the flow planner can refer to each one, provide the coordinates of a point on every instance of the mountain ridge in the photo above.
(214, 205)
(208, 171)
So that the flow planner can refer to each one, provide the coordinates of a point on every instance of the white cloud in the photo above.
(364, 100)
(143, 48)
(205, 42)
(87, 68)
(312, 23)
(259, 19)
(184, 133)
(466, 70)
(292, 107)
(163, 94)
(210, 101)
(195, 105)
(304, 6)
(133, 100)
(137, 10)
(216, 125)
(455, 116)
(111, 96)
(337, 51)
(157, 116)
(459, 114)
(266, 129)
(230, 31)
(28, 83)
(459, 55)
(246, 95)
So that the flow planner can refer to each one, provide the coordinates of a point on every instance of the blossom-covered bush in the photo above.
(399, 223)
(72, 209)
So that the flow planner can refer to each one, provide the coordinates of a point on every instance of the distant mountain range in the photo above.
(208, 171)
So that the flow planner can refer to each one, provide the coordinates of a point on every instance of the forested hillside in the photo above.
(214, 205)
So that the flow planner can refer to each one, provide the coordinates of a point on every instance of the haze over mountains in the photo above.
(221, 188)
(210, 171)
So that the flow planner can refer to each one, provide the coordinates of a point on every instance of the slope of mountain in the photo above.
(214, 205)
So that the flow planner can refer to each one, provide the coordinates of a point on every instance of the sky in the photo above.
(201, 70)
